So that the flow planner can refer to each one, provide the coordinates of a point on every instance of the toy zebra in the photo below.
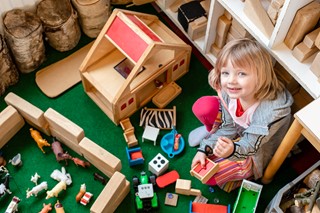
(160, 118)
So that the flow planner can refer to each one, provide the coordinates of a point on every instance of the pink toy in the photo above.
(38, 139)
(58, 151)
(46, 208)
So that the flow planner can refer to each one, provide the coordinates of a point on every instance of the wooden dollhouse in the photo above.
(133, 59)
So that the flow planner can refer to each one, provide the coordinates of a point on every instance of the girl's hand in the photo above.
(200, 157)
(224, 147)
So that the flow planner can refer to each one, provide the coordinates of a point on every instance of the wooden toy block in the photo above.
(304, 21)
(310, 38)
(223, 26)
(317, 41)
(204, 174)
(254, 10)
(184, 187)
(112, 194)
(272, 13)
(31, 114)
(240, 29)
(227, 15)
(315, 66)
(197, 28)
(126, 124)
(158, 165)
(230, 37)
(215, 49)
(103, 160)
(166, 95)
(290, 83)
(171, 199)
(65, 130)
(277, 4)
(301, 52)
(235, 34)
(219, 41)
(206, 5)
(130, 138)
(10, 123)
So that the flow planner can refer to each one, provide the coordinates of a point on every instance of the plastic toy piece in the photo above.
(248, 197)
(166, 95)
(204, 174)
(81, 192)
(38, 139)
(169, 142)
(4, 186)
(150, 133)
(61, 175)
(59, 207)
(86, 198)
(80, 162)
(128, 132)
(46, 208)
(158, 165)
(171, 199)
(145, 197)
(16, 160)
(134, 156)
(3, 161)
(13, 205)
(57, 189)
(184, 187)
(155, 117)
(167, 179)
(208, 208)
(100, 178)
(35, 190)
(35, 178)
(58, 151)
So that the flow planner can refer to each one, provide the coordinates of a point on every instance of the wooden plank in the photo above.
(315, 66)
(304, 21)
(301, 52)
(103, 160)
(10, 123)
(310, 38)
(32, 114)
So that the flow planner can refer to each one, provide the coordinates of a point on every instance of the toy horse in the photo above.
(38, 138)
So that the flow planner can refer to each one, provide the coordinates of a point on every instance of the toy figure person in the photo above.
(255, 115)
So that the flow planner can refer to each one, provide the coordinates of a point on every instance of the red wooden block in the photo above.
(167, 179)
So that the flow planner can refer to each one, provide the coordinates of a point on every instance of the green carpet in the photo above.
(79, 108)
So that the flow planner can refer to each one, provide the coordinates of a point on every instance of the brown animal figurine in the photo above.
(38, 139)
(46, 208)
(58, 151)
(80, 162)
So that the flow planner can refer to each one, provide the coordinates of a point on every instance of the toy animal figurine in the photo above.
(80, 162)
(38, 139)
(35, 190)
(61, 175)
(57, 189)
(58, 207)
(3, 170)
(46, 208)
(58, 151)
(3, 161)
(4, 186)
(35, 178)
(16, 160)
(98, 177)
(81, 192)
(13, 205)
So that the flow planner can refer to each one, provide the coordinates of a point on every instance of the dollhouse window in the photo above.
(175, 67)
(123, 106)
(181, 62)
(130, 101)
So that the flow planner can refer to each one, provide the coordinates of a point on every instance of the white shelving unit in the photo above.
(274, 44)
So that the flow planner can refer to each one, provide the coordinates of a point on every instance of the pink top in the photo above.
(245, 119)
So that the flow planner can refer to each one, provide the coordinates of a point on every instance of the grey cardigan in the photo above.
(260, 140)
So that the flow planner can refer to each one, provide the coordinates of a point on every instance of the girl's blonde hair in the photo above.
(248, 55)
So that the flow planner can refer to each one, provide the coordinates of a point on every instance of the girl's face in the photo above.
(238, 83)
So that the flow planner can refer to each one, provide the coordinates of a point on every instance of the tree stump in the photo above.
(23, 34)
(8, 72)
(93, 15)
(60, 23)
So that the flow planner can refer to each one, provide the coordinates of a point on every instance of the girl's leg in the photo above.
(206, 110)
(231, 173)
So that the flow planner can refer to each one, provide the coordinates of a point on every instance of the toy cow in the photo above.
(57, 189)
(46, 208)
(4, 186)
(80, 162)
(13, 205)
(35, 190)
(38, 139)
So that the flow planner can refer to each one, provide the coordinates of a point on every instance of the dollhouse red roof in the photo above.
(131, 35)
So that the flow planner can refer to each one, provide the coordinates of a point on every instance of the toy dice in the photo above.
(158, 165)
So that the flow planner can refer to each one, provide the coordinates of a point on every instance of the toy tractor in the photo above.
(145, 198)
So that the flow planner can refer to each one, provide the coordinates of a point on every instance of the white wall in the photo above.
(6, 5)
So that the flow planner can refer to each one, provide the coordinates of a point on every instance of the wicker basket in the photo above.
(23, 34)
(60, 23)
(93, 14)
(8, 72)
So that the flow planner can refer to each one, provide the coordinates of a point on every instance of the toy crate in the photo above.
(287, 192)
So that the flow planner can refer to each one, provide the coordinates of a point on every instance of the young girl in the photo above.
(255, 115)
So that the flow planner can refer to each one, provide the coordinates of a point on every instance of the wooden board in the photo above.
(56, 78)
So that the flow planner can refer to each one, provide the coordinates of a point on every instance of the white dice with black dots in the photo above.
(158, 165)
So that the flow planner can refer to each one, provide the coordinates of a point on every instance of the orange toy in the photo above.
(46, 208)
(38, 139)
